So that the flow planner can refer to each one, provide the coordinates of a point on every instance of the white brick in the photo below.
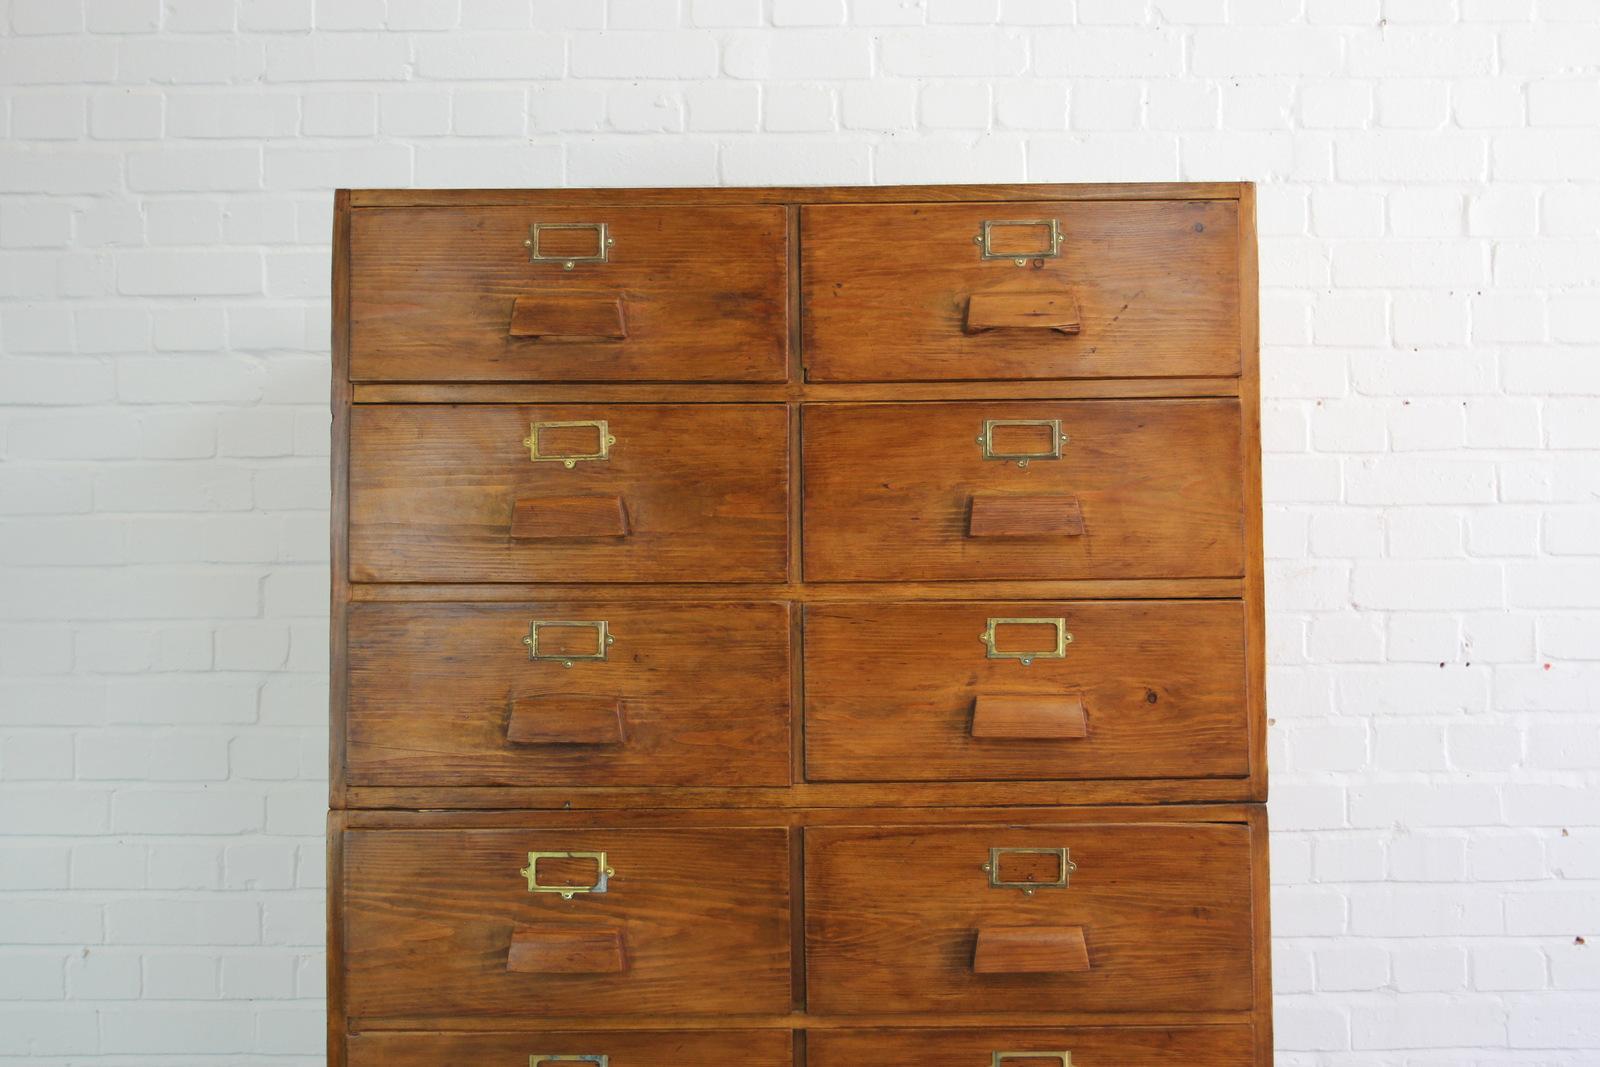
(1120, 53)
(798, 109)
(504, 55)
(943, 53)
(797, 55)
(630, 54)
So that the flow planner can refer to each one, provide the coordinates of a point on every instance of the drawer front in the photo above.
(1095, 1046)
(591, 1048)
(949, 692)
(1151, 918)
(453, 294)
(616, 493)
(568, 693)
(1131, 289)
(1024, 490)
(444, 923)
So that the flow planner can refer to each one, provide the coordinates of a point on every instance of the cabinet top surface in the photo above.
(876, 194)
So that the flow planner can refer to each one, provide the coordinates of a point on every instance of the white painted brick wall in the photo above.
(1430, 222)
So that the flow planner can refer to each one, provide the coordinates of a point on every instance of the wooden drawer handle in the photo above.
(593, 1059)
(1001, 1059)
(568, 318)
(1029, 718)
(1006, 515)
(569, 518)
(1030, 950)
(987, 312)
(565, 719)
(567, 950)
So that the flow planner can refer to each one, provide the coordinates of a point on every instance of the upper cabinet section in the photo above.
(1085, 289)
(601, 293)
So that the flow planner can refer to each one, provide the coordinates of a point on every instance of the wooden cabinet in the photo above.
(791, 627)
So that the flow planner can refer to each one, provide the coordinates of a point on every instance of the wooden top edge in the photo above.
(867, 194)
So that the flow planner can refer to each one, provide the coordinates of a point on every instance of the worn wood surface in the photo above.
(886, 291)
(433, 491)
(429, 918)
(703, 690)
(658, 1048)
(434, 291)
(1171, 1046)
(891, 689)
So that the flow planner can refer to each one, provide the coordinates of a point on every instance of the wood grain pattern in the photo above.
(433, 492)
(567, 950)
(650, 1048)
(1122, 1046)
(704, 690)
(1166, 911)
(429, 918)
(891, 689)
(569, 518)
(885, 292)
(888, 490)
(434, 292)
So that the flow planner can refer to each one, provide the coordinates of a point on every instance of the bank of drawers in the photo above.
(779, 588)
(533, 923)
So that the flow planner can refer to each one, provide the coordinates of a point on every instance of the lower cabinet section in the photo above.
(1092, 1046)
(1005, 917)
(655, 1048)
(1100, 1046)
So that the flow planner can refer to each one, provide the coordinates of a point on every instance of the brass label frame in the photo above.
(1057, 440)
(604, 873)
(602, 428)
(1064, 881)
(1063, 639)
(603, 640)
(602, 237)
(1064, 1058)
(985, 240)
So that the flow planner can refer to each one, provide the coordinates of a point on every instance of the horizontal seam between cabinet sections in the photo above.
(424, 1024)
(1025, 390)
(800, 592)
(558, 800)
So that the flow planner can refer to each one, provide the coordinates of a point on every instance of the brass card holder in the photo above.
(1051, 250)
(1000, 1058)
(602, 243)
(568, 890)
(602, 450)
(1052, 451)
(1026, 658)
(594, 1059)
(603, 640)
(1063, 880)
